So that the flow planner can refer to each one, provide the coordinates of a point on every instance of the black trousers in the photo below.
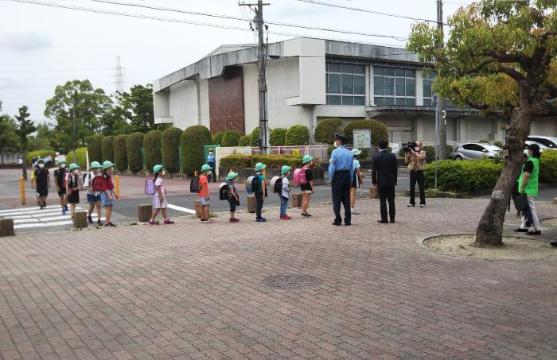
(258, 206)
(387, 194)
(341, 194)
(417, 176)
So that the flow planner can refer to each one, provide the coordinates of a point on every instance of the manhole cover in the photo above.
(292, 281)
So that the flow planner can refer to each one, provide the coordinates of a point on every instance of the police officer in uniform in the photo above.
(341, 171)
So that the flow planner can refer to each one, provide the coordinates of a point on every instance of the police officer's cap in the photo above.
(340, 136)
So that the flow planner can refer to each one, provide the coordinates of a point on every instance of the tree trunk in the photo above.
(24, 165)
(490, 229)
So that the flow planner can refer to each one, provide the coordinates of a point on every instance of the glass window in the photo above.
(334, 83)
(359, 85)
(346, 84)
(428, 77)
(333, 100)
(359, 100)
(394, 86)
(348, 100)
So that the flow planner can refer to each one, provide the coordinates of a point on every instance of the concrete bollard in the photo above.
(144, 212)
(80, 219)
(251, 204)
(373, 194)
(197, 205)
(7, 227)
(297, 200)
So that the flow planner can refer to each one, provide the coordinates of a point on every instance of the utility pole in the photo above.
(74, 127)
(440, 105)
(262, 82)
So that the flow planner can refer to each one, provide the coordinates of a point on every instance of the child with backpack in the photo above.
(304, 177)
(203, 193)
(159, 195)
(72, 187)
(233, 197)
(60, 183)
(93, 197)
(107, 193)
(259, 188)
(284, 192)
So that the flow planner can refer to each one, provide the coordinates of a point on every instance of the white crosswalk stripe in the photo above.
(33, 217)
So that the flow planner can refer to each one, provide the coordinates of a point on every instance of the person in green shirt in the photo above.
(528, 184)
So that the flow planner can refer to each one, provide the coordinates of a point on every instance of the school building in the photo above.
(312, 79)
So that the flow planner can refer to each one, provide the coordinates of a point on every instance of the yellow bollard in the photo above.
(117, 185)
(22, 190)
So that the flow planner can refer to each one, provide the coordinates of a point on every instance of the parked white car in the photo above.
(475, 151)
(548, 142)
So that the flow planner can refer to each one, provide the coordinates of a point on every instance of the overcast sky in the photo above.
(41, 47)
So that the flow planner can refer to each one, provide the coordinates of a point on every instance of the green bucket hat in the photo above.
(96, 165)
(232, 175)
(206, 167)
(107, 164)
(260, 166)
(307, 158)
(157, 168)
(356, 152)
(285, 169)
(73, 166)
(61, 162)
(40, 161)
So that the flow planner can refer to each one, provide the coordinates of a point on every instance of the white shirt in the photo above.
(285, 189)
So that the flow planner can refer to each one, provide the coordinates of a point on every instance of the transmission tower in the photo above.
(119, 76)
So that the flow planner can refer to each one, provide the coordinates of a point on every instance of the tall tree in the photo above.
(25, 127)
(9, 141)
(77, 105)
(500, 57)
(137, 106)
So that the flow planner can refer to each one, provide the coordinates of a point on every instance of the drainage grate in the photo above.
(292, 281)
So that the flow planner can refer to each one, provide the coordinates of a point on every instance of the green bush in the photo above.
(39, 154)
(94, 147)
(326, 129)
(170, 151)
(230, 138)
(134, 145)
(217, 138)
(278, 137)
(121, 152)
(464, 176)
(430, 153)
(499, 143)
(108, 148)
(79, 157)
(192, 142)
(274, 161)
(378, 130)
(152, 149)
(548, 167)
(244, 140)
(297, 135)
(254, 137)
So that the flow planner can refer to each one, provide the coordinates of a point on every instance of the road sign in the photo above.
(362, 138)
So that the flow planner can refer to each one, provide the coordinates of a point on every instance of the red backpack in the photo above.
(98, 183)
(299, 177)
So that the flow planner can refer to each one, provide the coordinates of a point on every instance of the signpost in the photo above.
(362, 138)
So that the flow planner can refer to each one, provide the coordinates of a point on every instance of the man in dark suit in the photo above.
(384, 178)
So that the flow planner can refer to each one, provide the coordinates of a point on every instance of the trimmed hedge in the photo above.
(80, 157)
(134, 144)
(170, 151)
(192, 142)
(244, 140)
(39, 154)
(152, 149)
(121, 152)
(378, 130)
(464, 176)
(548, 167)
(217, 138)
(94, 147)
(230, 138)
(254, 137)
(326, 129)
(278, 137)
(274, 161)
(108, 148)
(297, 135)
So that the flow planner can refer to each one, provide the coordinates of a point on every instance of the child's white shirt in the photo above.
(285, 188)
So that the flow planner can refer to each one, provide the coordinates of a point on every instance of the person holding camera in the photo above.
(415, 157)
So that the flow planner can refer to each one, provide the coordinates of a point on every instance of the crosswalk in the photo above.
(33, 217)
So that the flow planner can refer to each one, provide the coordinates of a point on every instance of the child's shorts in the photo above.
(92, 198)
(105, 200)
(204, 201)
(158, 204)
(232, 203)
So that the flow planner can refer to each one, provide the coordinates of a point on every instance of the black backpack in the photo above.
(224, 191)
(277, 185)
(194, 185)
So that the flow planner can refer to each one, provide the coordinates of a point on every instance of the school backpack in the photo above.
(194, 185)
(299, 177)
(224, 190)
(98, 183)
(276, 184)
(249, 185)
(150, 186)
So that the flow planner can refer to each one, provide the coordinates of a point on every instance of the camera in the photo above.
(409, 146)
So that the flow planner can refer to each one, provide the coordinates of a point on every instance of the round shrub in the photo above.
(464, 176)
(39, 154)
(217, 138)
(548, 167)
(244, 140)
(108, 148)
(79, 157)
(378, 130)
(135, 154)
(326, 129)
(273, 161)
(192, 142)
(278, 137)
(94, 148)
(230, 138)
(254, 137)
(297, 135)
(121, 152)
(429, 153)
(170, 151)
(152, 148)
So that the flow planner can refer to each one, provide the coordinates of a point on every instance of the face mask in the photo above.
(41, 166)
(163, 173)
(336, 144)
(63, 166)
(76, 171)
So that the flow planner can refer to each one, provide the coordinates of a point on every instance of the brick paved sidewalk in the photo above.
(197, 291)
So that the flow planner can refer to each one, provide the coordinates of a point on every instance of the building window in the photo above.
(428, 76)
(346, 84)
(394, 86)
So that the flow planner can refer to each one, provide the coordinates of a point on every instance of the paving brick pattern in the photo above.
(196, 291)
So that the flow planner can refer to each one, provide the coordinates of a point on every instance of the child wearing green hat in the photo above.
(159, 198)
(259, 187)
(203, 193)
(72, 187)
(107, 195)
(285, 192)
(233, 197)
(93, 197)
(307, 187)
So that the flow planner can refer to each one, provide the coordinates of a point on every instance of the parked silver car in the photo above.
(474, 151)
(544, 141)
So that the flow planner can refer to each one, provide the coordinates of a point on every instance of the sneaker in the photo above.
(354, 212)
(65, 207)
(110, 224)
(285, 217)
(100, 223)
(521, 230)
(90, 219)
(168, 222)
(64, 211)
(536, 232)
(261, 220)
(234, 220)
(153, 222)
(422, 205)
(410, 205)
(306, 215)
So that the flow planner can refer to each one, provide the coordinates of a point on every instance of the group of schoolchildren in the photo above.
(69, 182)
